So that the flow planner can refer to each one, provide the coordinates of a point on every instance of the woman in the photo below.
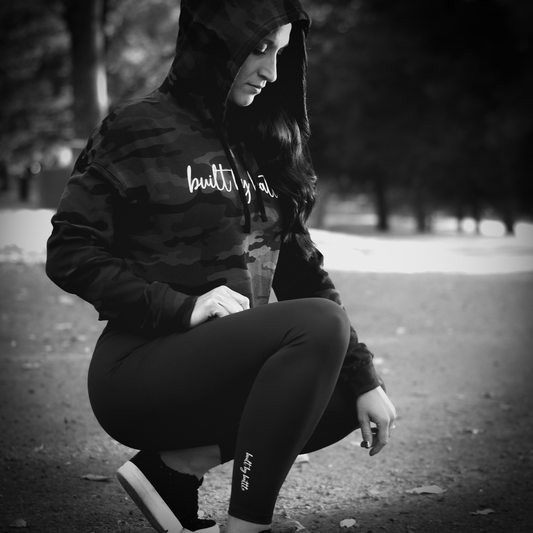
(185, 209)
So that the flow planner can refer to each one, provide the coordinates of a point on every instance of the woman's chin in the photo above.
(243, 100)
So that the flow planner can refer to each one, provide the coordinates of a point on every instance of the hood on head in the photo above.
(215, 38)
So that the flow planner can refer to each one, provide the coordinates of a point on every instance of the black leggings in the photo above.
(260, 384)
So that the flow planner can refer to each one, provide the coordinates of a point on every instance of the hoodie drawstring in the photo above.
(260, 200)
(238, 179)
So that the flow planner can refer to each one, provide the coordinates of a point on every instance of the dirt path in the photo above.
(456, 354)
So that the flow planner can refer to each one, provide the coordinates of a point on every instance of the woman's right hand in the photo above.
(219, 302)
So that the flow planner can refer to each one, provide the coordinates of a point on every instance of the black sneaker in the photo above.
(168, 499)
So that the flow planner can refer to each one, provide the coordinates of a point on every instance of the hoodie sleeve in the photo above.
(298, 277)
(83, 258)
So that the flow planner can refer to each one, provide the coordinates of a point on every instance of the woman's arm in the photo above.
(298, 277)
(83, 259)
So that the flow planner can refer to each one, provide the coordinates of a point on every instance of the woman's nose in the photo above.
(269, 69)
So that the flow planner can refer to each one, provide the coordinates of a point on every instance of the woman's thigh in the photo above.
(189, 389)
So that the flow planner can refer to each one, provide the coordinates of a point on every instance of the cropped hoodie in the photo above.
(160, 208)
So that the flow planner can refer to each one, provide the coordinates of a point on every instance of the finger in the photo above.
(376, 449)
(375, 439)
(242, 300)
(217, 303)
(388, 403)
(381, 439)
(366, 432)
(224, 293)
(218, 310)
(224, 306)
(372, 441)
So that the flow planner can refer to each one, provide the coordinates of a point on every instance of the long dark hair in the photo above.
(279, 145)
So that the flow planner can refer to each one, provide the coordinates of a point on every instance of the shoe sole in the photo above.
(148, 500)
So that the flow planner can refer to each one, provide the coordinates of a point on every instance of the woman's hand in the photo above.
(219, 302)
(375, 406)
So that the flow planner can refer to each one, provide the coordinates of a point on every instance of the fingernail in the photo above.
(365, 444)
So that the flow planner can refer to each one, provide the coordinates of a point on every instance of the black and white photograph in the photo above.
(266, 266)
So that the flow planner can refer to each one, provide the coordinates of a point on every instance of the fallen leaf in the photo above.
(428, 489)
(347, 522)
(472, 431)
(19, 522)
(484, 511)
(95, 477)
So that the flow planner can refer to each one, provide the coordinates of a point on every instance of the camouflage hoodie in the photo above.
(160, 209)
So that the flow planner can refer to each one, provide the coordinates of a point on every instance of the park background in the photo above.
(417, 108)
(422, 118)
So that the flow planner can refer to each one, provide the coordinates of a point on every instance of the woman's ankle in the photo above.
(236, 525)
(193, 461)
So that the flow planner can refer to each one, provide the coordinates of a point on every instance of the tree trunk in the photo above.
(508, 216)
(382, 205)
(476, 209)
(506, 139)
(89, 80)
(459, 215)
(423, 224)
(506, 201)
(318, 216)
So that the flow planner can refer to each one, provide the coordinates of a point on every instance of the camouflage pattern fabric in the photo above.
(154, 211)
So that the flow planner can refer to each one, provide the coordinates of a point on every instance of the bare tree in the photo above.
(85, 21)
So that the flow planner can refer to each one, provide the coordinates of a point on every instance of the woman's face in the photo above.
(259, 67)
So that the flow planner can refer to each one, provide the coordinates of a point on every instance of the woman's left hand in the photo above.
(375, 406)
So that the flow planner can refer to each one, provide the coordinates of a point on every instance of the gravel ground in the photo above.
(454, 350)
(449, 319)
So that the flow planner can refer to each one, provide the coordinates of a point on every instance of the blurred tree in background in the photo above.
(423, 106)
(64, 63)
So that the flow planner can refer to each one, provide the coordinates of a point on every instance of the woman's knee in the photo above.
(325, 322)
(329, 313)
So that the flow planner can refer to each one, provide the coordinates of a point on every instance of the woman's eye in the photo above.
(260, 50)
